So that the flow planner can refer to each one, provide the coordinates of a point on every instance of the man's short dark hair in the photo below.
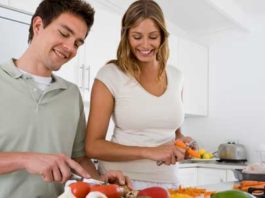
(49, 10)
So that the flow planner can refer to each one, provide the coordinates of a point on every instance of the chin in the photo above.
(146, 60)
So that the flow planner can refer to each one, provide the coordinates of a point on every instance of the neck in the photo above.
(30, 63)
(150, 69)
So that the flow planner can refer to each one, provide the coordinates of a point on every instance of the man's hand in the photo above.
(117, 177)
(52, 167)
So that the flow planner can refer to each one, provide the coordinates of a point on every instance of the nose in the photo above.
(69, 46)
(145, 42)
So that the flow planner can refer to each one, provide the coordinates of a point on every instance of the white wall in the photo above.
(236, 92)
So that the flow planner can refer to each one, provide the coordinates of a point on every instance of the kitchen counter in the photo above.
(211, 164)
(219, 187)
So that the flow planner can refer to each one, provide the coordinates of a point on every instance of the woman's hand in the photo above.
(167, 153)
(190, 142)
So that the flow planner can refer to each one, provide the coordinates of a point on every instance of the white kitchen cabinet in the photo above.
(187, 176)
(77, 71)
(10, 22)
(199, 176)
(25, 5)
(193, 62)
(4, 2)
(230, 176)
(173, 50)
(211, 176)
(100, 46)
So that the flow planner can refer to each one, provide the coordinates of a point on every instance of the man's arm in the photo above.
(10, 162)
(51, 167)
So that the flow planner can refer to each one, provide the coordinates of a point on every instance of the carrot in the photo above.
(236, 186)
(181, 144)
(193, 153)
(245, 185)
(249, 183)
(191, 191)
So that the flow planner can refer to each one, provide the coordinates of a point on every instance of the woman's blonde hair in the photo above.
(137, 12)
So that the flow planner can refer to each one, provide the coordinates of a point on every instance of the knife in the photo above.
(86, 180)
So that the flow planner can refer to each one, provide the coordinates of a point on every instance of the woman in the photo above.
(143, 95)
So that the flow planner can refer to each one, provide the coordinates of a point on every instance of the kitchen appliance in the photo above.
(232, 152)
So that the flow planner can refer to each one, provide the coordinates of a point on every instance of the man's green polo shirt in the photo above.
(52, 121)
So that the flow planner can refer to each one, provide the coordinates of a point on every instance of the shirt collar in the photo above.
(11, 69)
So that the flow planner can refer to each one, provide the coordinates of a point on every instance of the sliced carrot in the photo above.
(250, 183)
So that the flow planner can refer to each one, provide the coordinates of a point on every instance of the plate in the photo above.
(203, 160)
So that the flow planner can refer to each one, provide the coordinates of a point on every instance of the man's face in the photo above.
(58, 42)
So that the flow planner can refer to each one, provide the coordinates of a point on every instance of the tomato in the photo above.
(154, 192)
(80, 189)
(110, 190)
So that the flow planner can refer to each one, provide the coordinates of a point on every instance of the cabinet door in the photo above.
(173, 50)
(101, 44)
(193, 61)
(26, 5)
(230, 176)
(211, 176)
(4, 2)
(187, 176)
(13, 23)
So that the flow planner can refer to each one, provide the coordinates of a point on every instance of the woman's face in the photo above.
(145, 40)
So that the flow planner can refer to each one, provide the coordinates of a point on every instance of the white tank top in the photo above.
(142, 119)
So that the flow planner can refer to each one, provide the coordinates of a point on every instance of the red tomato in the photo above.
(80, 189)
(110, 190)
(153, 192)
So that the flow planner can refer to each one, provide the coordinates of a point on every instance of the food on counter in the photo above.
(245, 185)
(205, 154)
(179, 195)
(232, 194)
(96, 195)
(80, 189)
(153, 192)
(190, 191)
(110, 190)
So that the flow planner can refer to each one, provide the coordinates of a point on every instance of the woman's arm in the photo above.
(101, 108)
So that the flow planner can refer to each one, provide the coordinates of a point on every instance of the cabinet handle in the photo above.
(82, 77)
(88, 78)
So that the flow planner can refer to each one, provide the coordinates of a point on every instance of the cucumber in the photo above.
(232, 194)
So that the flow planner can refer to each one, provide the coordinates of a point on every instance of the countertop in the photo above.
(219, 187)
(211, 164)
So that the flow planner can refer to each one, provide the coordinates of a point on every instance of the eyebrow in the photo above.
(72, 32)
(135, 32)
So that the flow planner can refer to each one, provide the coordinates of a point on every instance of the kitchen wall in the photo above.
(236, 91)
(236, 80)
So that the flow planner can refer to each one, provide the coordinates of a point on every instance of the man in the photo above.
(42, 121)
